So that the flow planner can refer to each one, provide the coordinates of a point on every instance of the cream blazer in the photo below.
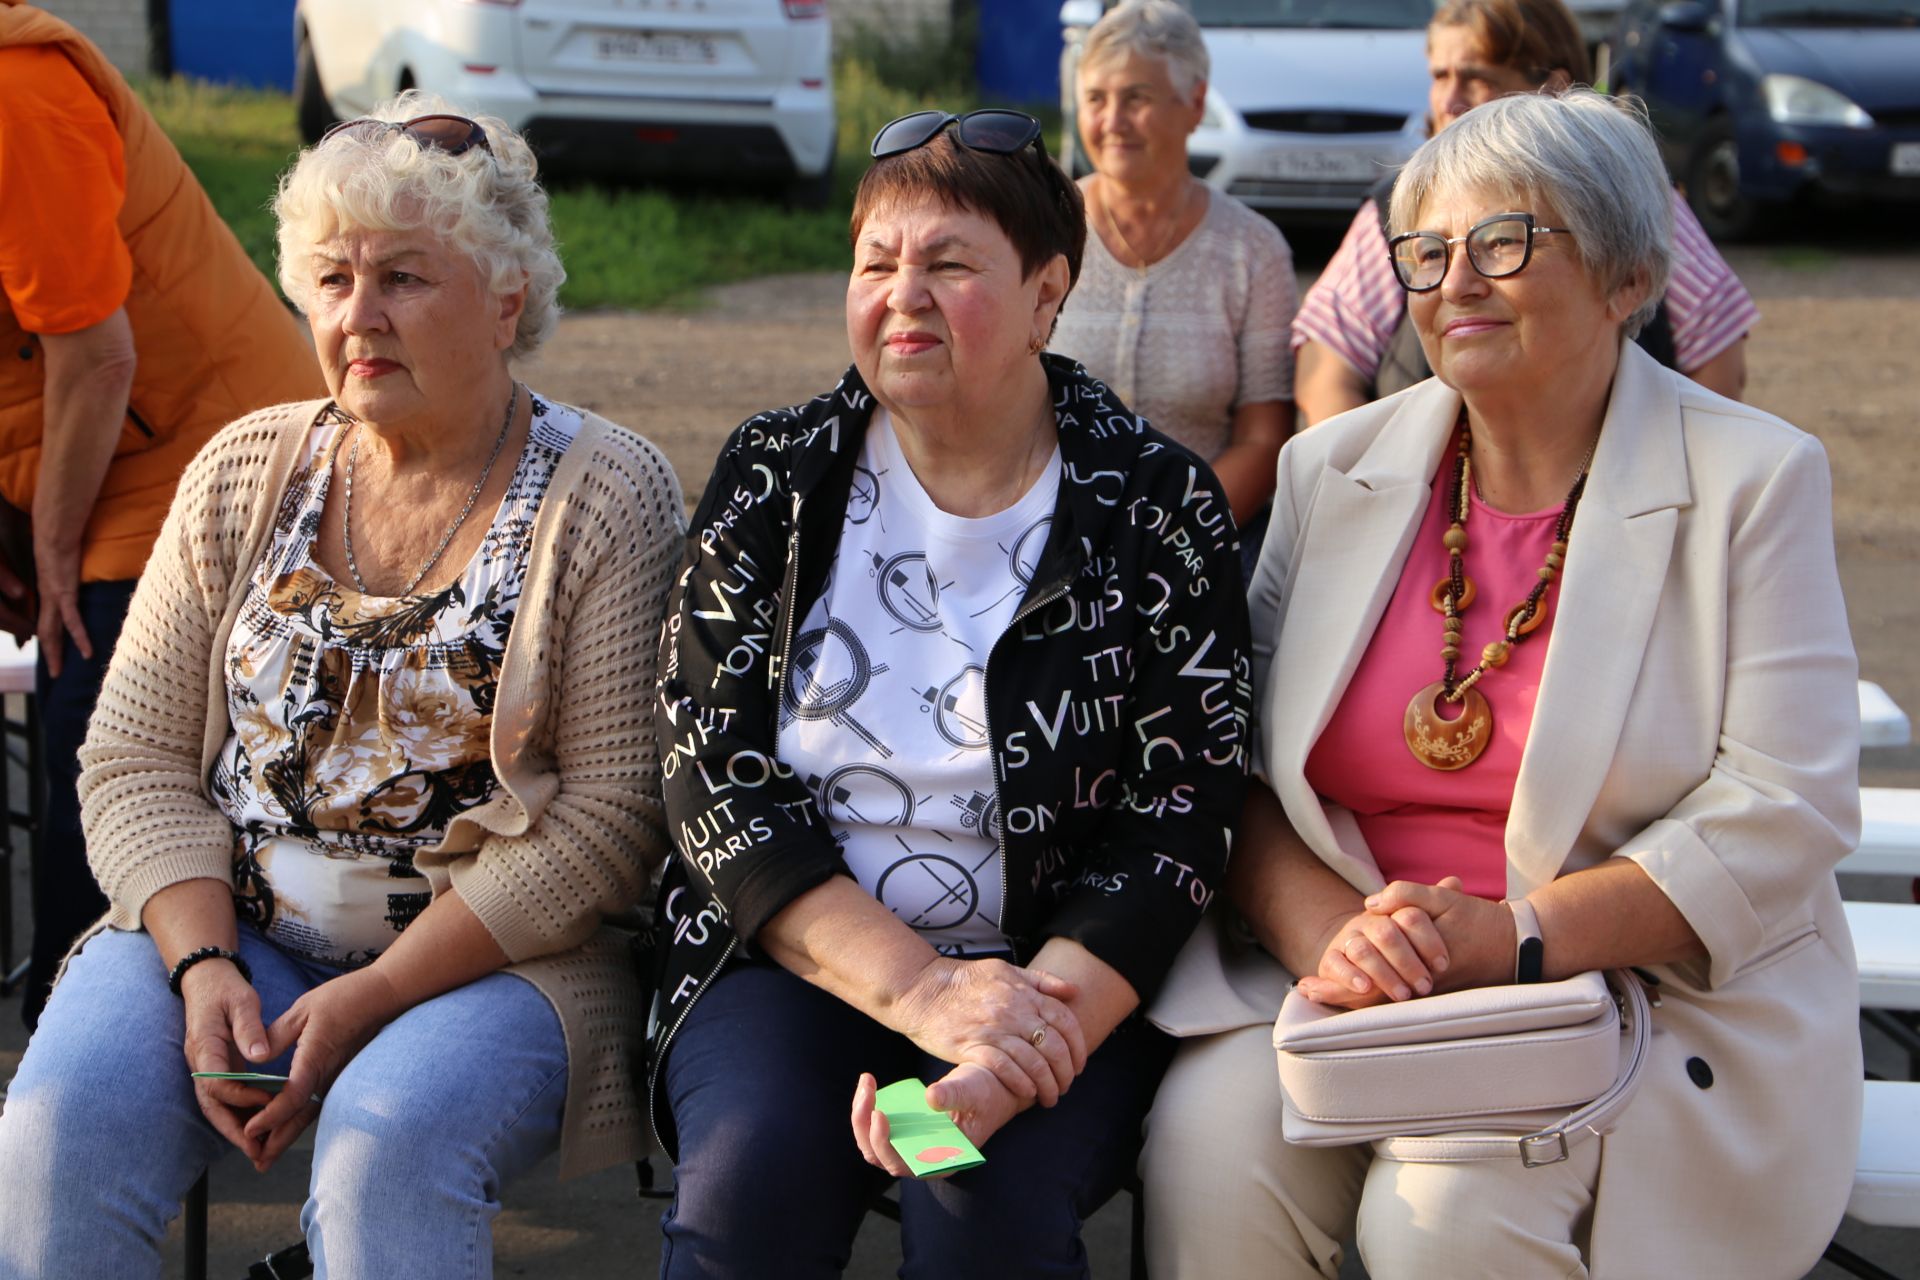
(1697, 714)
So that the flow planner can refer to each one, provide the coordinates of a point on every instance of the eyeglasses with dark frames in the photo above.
(1497, 246)
(455, 135)
(992, 129)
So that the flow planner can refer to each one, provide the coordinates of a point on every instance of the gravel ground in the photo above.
(1834, 355)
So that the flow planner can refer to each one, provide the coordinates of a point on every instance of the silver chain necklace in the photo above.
(346, 514)
(1141, 265)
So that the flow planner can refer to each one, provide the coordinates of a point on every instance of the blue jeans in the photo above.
(65, 898)
(769, 1182)
(101, 1137)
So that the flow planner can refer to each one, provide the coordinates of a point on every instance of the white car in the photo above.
(1310, 102)
(739, 90)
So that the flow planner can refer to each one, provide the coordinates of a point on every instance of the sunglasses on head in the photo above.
(994, 130)
(455, 135)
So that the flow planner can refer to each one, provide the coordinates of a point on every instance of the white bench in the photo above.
(17, 663)
(1889, 834)
(1882, 722)
(1886, 941)
(1886, 1175)
(1886, 1180)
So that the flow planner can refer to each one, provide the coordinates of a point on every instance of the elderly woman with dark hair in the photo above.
(952, 700)
(1554, 676)
(371, 765)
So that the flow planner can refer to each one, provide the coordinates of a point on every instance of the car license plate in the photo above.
(1906, 159)
(648, 46)
(1319, 166)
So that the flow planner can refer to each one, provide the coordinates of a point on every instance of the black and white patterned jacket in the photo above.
(1117, 700)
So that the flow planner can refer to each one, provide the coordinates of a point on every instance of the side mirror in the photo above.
(1080, 13)
(1688, 16)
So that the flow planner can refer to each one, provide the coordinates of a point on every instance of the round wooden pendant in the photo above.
(1528, 627)
(1441, 589)
(1444, 744)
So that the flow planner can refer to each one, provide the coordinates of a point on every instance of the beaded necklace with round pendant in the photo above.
(1435, 741)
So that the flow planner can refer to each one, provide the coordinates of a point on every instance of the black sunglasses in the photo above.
(994, 129)
(455, 135)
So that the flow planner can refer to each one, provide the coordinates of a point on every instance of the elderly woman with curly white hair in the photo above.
(371, 769)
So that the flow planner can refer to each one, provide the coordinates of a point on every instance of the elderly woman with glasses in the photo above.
(952, 703)
(372, 766)
(1553, 675)
(1186, 296)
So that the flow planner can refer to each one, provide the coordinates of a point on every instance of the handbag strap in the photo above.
(1554, 1143)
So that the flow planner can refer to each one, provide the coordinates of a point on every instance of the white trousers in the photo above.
(1227, 1199)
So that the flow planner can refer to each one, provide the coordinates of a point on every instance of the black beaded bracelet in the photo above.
(193, 958)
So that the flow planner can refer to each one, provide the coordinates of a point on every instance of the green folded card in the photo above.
(928, 1140)
(258, 1079)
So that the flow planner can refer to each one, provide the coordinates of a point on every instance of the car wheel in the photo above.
(1713, 185)
(813, 192)
(810, 193)
(313, 115)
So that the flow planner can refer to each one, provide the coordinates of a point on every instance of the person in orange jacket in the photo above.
(132, 326)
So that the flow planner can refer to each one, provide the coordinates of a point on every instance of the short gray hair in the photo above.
(1153, 29)
(494, 210)
(1591, 157)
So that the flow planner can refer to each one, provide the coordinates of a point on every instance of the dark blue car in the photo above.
(1759, 103)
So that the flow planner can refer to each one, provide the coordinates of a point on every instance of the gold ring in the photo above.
(1039, 1036)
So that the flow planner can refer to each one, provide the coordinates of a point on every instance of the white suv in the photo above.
(727, 89)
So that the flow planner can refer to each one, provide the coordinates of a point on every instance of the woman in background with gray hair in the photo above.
(1553, 674)
(1186, 296)
(371, 765)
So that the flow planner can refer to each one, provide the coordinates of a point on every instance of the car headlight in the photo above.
(1216, 114)
(1798, 100)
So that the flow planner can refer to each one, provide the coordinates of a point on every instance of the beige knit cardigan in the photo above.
(573, 831)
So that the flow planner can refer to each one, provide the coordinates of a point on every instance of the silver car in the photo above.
(1309, 104)
(735, 89)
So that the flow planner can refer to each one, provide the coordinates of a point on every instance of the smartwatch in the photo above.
(1529, 953)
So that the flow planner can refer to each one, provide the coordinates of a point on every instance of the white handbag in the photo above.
(1517, 1071)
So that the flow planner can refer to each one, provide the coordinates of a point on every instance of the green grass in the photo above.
(237, 142)
(1804, 258)
(644, 247)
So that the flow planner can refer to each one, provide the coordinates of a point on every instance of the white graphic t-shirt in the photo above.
(884, 714)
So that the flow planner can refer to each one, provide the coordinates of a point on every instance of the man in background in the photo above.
(132, 326)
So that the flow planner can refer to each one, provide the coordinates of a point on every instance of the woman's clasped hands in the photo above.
(1013, 1022)
(323, 1029)
(1411, 940)
(1008, 1030)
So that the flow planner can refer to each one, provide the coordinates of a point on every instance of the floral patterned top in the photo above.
(361, 722)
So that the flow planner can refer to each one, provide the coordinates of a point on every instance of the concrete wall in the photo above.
(119, 27)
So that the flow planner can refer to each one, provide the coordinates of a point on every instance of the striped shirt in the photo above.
(1356, 304)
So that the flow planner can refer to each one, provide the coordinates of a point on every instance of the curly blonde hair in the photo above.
(491, 207)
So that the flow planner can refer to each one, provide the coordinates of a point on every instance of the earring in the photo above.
(1034, 344)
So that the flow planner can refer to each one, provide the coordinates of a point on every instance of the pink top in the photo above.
(1356, 304)
(1421, 823)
